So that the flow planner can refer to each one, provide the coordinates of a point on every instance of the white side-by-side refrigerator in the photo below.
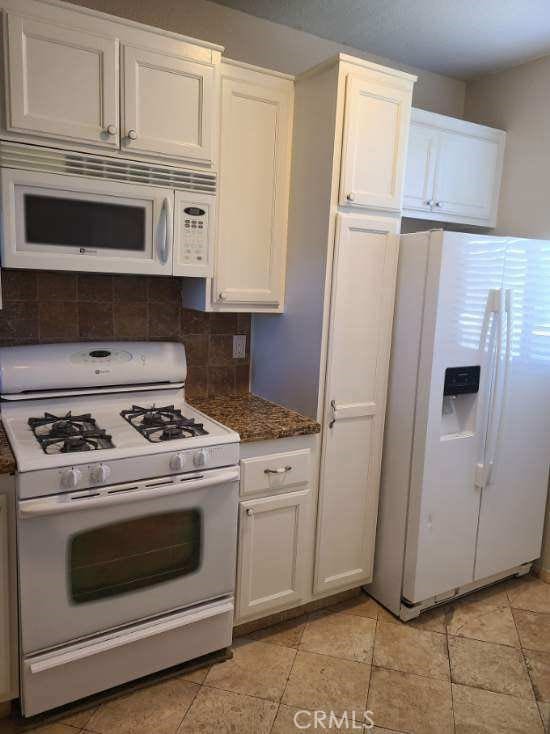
(467, 442)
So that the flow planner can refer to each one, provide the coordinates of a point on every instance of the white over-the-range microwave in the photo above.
(71, 211)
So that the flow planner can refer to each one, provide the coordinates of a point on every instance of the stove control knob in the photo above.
(177, 462)
(199, 459)
(70, 478)
(100, 473)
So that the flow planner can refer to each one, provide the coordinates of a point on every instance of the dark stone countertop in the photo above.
(254, 418)
(7, 459)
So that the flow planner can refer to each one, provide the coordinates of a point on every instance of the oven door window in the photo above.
(134, 554)
(83, 223)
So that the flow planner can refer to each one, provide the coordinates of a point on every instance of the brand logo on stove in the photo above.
(101, 372)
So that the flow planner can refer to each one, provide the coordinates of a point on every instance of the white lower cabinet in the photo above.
(276, 526)
(272, 570)
(8, 624)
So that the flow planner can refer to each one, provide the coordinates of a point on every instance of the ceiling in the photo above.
(460, 38)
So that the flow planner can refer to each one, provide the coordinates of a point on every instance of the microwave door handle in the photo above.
(165, 235)
(59, 504)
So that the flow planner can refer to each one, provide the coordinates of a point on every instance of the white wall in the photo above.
(518, 100)
(274, 46)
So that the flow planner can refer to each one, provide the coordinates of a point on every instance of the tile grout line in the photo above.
(526, 665)
(188, 709)
(450, 675)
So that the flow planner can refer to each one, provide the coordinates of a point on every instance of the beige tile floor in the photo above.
(478, 666)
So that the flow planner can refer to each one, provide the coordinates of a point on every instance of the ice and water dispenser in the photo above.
(459, 401)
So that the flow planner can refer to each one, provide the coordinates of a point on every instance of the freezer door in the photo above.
(464, 274)
(513, 502)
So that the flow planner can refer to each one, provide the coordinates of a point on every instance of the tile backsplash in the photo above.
(45, 306)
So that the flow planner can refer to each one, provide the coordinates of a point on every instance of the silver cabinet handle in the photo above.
(111, 129)
(281, 470)
(250, 512)
(333, 409)
(132, 134)
(350, 196)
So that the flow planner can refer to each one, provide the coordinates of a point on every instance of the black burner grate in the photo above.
(69, 433)
(162, 424)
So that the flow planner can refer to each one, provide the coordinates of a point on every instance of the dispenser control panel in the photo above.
(462, 380)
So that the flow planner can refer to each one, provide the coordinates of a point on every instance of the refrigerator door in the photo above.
(464, 273)
(513, 502)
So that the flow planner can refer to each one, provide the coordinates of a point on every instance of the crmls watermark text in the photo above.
(346, 721)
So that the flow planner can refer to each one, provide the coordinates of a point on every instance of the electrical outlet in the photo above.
(239, 346)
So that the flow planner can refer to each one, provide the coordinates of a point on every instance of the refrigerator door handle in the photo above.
(507, 310)
(491, 323)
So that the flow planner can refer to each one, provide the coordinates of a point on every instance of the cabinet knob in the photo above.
(250, 512)
(132, 134)
(430, 202)
(221, 297)
(111, 129)
(439, 203)
(350, 196)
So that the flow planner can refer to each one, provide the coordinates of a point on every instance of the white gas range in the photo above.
(127, 516)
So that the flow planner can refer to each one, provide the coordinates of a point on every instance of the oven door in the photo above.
(56, 222)
(92, 561)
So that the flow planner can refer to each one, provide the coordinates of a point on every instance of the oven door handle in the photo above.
(60, 504)
(55, 660)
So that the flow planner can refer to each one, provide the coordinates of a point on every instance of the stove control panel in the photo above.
(86, 474)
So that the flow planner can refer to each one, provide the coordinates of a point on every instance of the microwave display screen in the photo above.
(95, 225)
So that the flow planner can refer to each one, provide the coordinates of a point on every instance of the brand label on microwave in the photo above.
(194, 211)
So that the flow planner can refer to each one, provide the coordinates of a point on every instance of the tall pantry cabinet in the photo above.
(328, 354)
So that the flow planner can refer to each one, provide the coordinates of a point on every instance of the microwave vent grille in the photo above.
(49, 160)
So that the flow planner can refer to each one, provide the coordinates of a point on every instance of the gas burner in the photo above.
(69, 433)
(162, 424)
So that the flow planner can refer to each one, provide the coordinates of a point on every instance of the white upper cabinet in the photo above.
(420, 170)
(376, 123)
(256, 120)
(62, 82)
(78, 79)
(167, 105)
(454, 170)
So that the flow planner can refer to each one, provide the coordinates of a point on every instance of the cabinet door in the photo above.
(167, 105)
(272, 541)
(253, 192)
(420, 168)
(375, 138)
(467, 176)
(62, 82)
(363, 290)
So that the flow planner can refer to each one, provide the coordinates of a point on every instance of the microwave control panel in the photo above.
(195, 234)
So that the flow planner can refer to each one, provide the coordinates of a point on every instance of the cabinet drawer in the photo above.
(275, 472)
